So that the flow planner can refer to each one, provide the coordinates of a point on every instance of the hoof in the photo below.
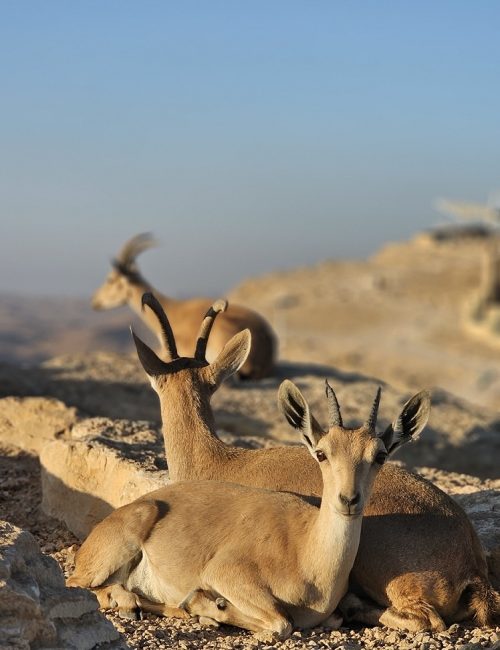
(349, 606)
(334, 621)
(285, 632)
(131, 614)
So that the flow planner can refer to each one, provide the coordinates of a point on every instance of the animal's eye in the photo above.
(320, 456)
(381, 457)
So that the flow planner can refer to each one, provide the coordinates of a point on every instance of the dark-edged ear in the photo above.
(296, 410)
(232, 356)
(409, 423)
(150, 361)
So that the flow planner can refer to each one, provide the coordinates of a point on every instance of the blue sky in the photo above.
(248, 136)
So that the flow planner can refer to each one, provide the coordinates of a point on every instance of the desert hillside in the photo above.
(400, 316)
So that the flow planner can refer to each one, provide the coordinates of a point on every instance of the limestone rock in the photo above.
(31, 422)
(481, 502)
(37, 609)
(483, 508)
(105, 465)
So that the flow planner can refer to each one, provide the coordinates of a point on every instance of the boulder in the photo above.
(37, 609)
(31, 422)
(481, 501)
(483, 508)
(106, 464)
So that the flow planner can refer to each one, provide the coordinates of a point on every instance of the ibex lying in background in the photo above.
(125, 285)
(262, 560)
(419, 557)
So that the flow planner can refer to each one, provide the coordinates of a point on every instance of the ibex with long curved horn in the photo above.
(266, 561)
(125, 285)
(404, 562)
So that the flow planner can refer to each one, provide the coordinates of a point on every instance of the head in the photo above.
(116, 289)
(191, 374)
(350, 459)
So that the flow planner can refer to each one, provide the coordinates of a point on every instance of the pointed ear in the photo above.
(151, 363)
(296, 410)
(409, 423)
(232, 357)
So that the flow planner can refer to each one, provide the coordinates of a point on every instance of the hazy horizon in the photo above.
(247, 138)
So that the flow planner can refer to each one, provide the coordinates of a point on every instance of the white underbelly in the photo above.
(144, 580)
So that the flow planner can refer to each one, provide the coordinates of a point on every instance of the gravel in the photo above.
(20, 498)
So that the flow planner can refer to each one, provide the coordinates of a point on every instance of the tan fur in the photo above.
(185, 317)
(262, 560)
(419, 556)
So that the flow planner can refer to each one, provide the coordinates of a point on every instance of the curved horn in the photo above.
(206, 327)
(151, 363)
(372, 418)
(134, 247)
(334, 415)
(168, 335)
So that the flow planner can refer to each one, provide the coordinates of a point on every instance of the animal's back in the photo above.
(186, 317)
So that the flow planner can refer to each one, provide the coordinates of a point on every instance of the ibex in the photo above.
(125, 285)
(419, 557)
(262, 560)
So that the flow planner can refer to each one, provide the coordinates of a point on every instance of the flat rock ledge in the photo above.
(31, 422)
(108, 463)
(481, 501)
(37, 610)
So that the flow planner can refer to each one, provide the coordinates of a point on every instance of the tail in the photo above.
(484, 603)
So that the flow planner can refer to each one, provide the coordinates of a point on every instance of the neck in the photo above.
(192, 447)
(331, 550)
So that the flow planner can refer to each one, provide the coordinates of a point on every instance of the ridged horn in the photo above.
(134, 247)
(206, 327)
(371, 423)
(167, 333)
(334, 415)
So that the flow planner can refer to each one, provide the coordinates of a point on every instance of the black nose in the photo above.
(349, 501)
